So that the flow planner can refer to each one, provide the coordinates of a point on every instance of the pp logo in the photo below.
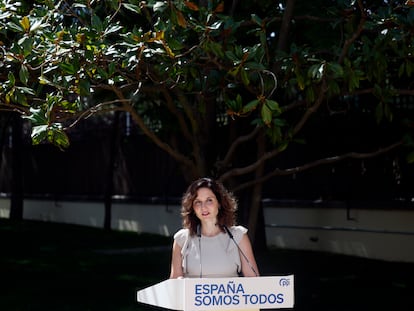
(284, 282)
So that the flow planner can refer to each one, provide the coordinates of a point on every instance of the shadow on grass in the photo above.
(47, 266)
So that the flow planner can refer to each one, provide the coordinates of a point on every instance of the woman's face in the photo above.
(205, 205)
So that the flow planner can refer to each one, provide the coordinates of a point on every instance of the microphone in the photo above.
(199, 230)
(199, 248)
(240, 250)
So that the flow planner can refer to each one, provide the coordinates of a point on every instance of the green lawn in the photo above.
(46, 266)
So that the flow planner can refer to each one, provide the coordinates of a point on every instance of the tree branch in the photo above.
(179, 157)
(355, 36)
(268, 155)
(241, 139)
(285, 27)
(171, 107)
(10, 108)
(127, 107)
(322, 90)
(324, 161)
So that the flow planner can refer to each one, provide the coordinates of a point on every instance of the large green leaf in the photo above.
(24, 74)
(266, 114)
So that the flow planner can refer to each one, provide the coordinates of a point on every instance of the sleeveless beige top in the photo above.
(216, 256)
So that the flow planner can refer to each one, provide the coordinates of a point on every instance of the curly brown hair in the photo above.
(227, 202)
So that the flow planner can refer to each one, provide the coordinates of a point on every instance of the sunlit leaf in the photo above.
(24, 74)
(316, 71)
(58, 137)
(25, 90)
(36, 25)
(113, 29)
(25, 23)
(39, 134)
(15, 27)
(160, 6)
(132, 7)
(44, 80)
(20, 98)
(37, 116)
(5, 15)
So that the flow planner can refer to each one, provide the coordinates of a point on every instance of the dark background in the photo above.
(142, 170)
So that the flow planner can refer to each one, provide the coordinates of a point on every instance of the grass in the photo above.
(48, 266)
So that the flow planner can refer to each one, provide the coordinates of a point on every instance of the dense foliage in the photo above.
(173, 64)
(203, 78)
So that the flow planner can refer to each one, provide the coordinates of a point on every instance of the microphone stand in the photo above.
(240, 250)
(199, 248)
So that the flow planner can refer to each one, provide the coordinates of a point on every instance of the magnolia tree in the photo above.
(184, 70)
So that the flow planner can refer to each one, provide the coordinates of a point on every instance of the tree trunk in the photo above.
(109, 184)
(4, 122)
(16, 202)
(256, 198)
(285, 26)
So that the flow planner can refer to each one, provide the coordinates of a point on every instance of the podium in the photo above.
(238, 293)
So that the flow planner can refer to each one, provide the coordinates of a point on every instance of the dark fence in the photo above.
(139, 169)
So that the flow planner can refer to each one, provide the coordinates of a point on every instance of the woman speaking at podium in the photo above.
(210, 244)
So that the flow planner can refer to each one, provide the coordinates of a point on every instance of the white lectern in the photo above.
(239, 293)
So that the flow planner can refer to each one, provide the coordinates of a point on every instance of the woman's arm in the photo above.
(247, 249)
(176, 262)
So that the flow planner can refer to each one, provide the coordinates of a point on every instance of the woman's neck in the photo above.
(210, 229)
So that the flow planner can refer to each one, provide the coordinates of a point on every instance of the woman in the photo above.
(210, 245)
